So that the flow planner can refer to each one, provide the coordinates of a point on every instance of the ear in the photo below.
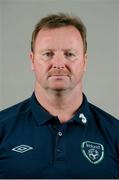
(31, 56)
(85, 61)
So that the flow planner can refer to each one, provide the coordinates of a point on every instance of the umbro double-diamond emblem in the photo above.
(22, 148)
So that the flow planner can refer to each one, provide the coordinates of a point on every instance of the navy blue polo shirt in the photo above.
(33, 143)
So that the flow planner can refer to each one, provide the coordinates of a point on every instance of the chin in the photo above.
(58, 89)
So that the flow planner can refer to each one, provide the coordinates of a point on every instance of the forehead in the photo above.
(61, 37)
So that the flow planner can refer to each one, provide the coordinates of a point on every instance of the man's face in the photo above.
(58, 59)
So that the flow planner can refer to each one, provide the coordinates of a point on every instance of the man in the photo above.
(57, 133)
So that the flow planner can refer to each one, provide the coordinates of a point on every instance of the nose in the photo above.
(58, 61)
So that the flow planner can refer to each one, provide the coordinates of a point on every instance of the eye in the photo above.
(47, 55)
(70, 55)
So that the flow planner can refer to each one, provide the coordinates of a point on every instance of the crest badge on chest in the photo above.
(93, 151)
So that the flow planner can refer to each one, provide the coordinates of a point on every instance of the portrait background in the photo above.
(101, 17)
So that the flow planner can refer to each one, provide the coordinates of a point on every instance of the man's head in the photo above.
(59, 53)
(59, 20)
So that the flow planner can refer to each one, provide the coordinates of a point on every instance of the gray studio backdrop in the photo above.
(17, 20)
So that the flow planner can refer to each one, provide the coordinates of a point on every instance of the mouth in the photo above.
(58, 77)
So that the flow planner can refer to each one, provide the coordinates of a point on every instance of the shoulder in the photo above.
(104, 117)
(102, 113)
(13, 111)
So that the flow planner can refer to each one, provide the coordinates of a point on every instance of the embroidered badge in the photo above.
(22, 148)
(94, 152)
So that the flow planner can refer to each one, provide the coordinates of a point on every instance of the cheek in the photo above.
(40, 71)
(78, 67)
(37, 70)
(78, 71)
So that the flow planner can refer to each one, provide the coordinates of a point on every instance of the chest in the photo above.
(66, 152)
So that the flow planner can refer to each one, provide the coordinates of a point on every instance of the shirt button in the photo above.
(59, 133)
(58, 150)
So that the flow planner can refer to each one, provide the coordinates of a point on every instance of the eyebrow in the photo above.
(49, 49)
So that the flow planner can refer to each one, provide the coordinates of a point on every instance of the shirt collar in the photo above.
(83, 114)
(42, 115)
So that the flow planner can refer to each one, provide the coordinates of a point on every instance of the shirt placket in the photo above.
(60, 145)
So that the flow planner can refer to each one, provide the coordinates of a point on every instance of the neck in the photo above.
(60, 104)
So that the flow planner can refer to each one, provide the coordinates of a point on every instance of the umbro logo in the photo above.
(22, 148)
